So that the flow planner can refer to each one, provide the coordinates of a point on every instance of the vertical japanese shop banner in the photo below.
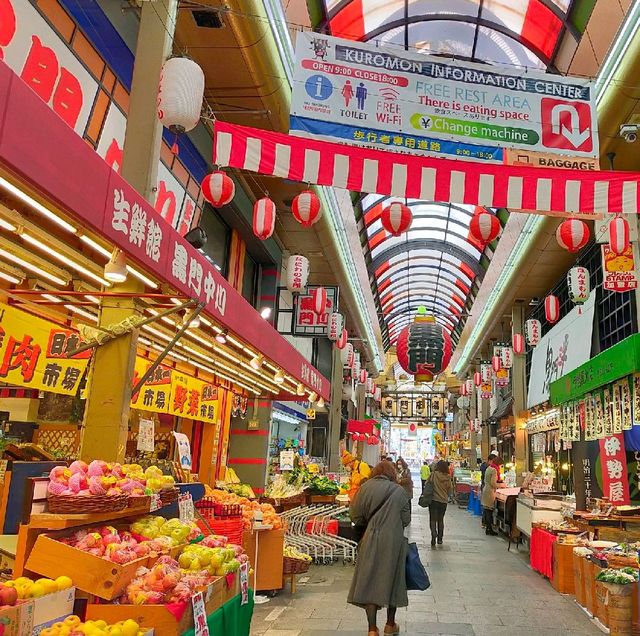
(585, 468)
(155, 393)
(33, 353)
(619, 270)
(613, 460)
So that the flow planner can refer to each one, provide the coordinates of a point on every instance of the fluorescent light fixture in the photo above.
(82, 312)
(256, 362)
(50, 298)
(107, 254)
(278, 378)
(32, 268)
(222, 337)
(5, 225)
(265, 312)
(115, 271)
(157, 332)
(63, 259)
(9, 278)
(93, 299)
(38, 207)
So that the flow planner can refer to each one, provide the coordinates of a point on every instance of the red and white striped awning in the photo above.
(547, 190)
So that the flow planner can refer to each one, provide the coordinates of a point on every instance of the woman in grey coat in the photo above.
(384, 508)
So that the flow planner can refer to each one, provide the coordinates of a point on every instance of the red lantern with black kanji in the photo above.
(306, 208)
(264, 218)
(518, 343)
(396, 218)
(496, 363)
(551, 309)
(484, 227)
(618, 235)
(477, 378)
(424, 347)
(218, 188)
(572, 234)
(319, 298)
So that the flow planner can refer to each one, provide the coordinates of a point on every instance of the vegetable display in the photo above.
(624, 576)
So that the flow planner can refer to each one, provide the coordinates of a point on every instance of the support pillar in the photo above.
(335, 413)
(483, 414)
(106, 420)
(473, 441)
(519, 391)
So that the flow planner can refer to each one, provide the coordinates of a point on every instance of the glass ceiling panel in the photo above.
(400, 269)
(401, 274)
(433, 235)
(443, 37)
(425, 7)
(412, 280)
(501, 49)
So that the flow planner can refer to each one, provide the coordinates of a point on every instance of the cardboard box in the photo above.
(52, 608)
(10, 621)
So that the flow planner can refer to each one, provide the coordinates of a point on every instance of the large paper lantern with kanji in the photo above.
(579, 285)
(533, 329)
(396, 218)
(424, 347)
(297, 273)
(335, 325)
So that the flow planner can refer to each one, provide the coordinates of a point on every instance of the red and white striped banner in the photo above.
(387, 173)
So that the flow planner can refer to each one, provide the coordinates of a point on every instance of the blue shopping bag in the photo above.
(416, 575)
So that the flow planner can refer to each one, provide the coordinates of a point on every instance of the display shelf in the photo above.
(268, 545)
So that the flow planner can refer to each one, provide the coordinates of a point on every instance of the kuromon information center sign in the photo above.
(413, 103)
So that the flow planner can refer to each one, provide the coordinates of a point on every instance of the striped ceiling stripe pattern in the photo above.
(427, 178)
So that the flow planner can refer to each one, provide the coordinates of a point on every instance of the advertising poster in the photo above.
(618, 270)
(146, 436)
(183, 449)
(413, 103)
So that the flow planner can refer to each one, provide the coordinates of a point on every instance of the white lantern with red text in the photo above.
(551, 309)
(297, 273)
(469, 386)
(319, 300)
(347, 355)
(370, 386)
(572, 234)
(484, 227)
(506, 357)
(341, 342)
(618, 235)
(533, 329)
(579, 285)
(306, 208)
(486, 372)
(264, 218)
(335, 325)
(518, 343)
(496, 363)
(396, 218)
(218, 188)
(477, 378)
(180, 94)
(356, 366)
(378, 394)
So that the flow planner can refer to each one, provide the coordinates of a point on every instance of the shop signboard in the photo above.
(615, 481)
(33, 353)
(414, 103)
(562, 349)
(154, 395)
(618, 270)
(306, 322)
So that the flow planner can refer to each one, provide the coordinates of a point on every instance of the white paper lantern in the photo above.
(533, 329)
(506, 356)
(579, 285)
(486, 372)
(355, 368)
(370, 386)
(320, 302)
(347, 355)
(469, 386)
(378, 394)
(297, 273)
(335, 325)
(180, 94)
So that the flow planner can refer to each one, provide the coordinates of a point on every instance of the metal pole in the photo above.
(165, 351)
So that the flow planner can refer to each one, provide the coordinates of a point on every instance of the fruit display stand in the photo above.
(268, 547)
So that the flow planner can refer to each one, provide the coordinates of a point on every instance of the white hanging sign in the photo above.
(146, 434)
(183, 448)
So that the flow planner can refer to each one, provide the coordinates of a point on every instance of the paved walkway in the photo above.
(477, 589)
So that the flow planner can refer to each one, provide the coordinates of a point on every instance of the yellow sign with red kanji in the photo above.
(33, 353)
(174, 392)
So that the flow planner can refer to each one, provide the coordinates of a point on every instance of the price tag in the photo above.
(156, 503)
(185, 507)
(146, 436)
(244, 583)
(199, 615)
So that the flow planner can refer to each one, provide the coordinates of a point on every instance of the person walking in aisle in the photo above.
(488, 500)
(384, 508)
(425, 472)
(404, 476)
(442, 488)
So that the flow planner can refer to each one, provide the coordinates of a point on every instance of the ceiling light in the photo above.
(32, 268)
(10, 279)
(313, 396)
(23, 196)
(265, 312)
(50, 298)
(320, 403)
(256, 362)
(93, 299)
(222, 337)
(82, 312)
(300, 389)
(115, 271)
(5, 225)
(278, 378)
(192, 318)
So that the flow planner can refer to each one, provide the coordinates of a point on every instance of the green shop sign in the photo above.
(610, 365)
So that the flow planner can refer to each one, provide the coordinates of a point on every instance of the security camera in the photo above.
(629, 132)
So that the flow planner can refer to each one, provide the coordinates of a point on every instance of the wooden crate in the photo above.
(89, 573)
(589, 576)
(562, 578)
(578, 581)
(602, 607)
(270, 557)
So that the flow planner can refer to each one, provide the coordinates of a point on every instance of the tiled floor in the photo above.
(478, 589)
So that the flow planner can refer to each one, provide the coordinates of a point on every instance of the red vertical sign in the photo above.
(613, 461)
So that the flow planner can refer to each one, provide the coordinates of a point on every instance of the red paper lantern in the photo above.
(518, 344)
(264, 218)
(319, 296)
(341, 342)
(618, 235)
(218, 188)
(477, 378)
(496, 363)
(361, 437)
(306, 208)
(431, 347)
(551, 308)
(572, 234)
(463, 389)
(363, 376)
(374, 440)
(413, 427)
(484, 227)
(396, 218)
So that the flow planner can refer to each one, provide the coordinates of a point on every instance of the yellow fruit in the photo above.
(49, 586)
(49, 631)
(10, 583)
(114, 630)
(21, 580)
(73, 620)
(63, 582)
(23, 590)
(101, 624)
(130, 628)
